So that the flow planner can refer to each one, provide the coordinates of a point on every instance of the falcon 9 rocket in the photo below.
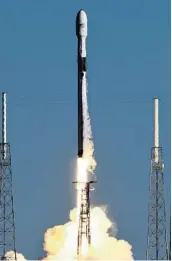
(83, 186)
(81, 33)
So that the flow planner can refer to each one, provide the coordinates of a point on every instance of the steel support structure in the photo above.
(7, 227)
(84, 231)
(157, 236)
(84, 217)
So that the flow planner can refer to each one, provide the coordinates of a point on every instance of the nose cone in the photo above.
(81, 24)
(82, 17)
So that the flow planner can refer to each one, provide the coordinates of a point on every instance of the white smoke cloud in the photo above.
(10, 255)
(60, 242)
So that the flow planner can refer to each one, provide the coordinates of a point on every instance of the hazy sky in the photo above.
(128, 64)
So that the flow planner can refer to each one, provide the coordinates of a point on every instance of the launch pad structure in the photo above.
(157, 235)
(7, 225)
(84, 230)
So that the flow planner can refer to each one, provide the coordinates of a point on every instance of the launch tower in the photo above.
(7, 227)
(157, 236)
(84, 232)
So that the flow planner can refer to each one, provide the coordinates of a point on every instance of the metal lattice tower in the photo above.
(84, 219)
(84, 232)
(7, 227)
(157, 235)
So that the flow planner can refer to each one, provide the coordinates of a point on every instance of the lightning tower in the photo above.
(157, 236)
(7, 227)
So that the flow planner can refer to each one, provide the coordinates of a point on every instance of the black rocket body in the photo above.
(81, 33)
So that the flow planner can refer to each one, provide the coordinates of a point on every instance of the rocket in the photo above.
(83, 187)
(81, 33)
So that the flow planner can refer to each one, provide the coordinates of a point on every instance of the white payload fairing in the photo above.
(81, 31)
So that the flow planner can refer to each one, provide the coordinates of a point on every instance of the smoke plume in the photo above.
(88, 139)
(60, 241)
(10, 255)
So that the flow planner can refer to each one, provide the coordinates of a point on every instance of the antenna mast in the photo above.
(4, 123)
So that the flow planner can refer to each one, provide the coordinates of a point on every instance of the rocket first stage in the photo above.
(81, 33)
